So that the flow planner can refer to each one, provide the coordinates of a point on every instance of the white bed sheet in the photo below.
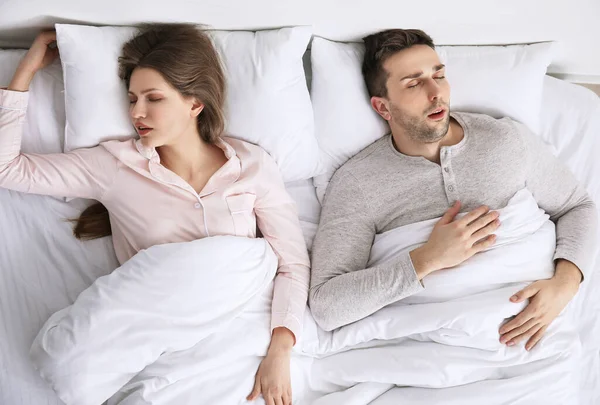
(571, 116)
(309, 208)
(43, 268)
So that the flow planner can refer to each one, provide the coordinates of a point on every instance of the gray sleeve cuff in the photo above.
(581, 263)
(406, 269)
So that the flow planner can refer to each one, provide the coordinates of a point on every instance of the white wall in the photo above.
(576, 27)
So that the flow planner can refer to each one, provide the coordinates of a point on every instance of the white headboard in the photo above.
(575, 27)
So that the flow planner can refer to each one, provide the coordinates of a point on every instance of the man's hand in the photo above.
(547, 299)
(453, 242)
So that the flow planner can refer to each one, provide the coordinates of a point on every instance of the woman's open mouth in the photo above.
(143, 130)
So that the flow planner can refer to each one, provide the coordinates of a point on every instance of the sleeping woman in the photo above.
(181, 172)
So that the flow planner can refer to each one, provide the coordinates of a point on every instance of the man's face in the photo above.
(418, 94)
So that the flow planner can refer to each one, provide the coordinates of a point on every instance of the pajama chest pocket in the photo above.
(241, 208)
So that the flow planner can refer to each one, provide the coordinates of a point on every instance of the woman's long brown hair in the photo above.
(187, 59)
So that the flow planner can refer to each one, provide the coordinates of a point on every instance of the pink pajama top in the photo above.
(150, 205)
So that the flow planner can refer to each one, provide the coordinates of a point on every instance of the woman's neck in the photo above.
(189, 156)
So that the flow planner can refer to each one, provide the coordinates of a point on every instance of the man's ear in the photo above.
(380, 105)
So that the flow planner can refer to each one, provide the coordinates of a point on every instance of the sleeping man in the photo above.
(438, 163)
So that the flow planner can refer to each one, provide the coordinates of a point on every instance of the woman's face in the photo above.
(159, 113)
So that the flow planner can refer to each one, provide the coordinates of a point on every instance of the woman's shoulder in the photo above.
(253, 157)
(124, 150)
(249, 152)
(242, 147)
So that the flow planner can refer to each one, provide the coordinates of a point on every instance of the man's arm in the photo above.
(569, 206)
(558, 192)
(342, 289)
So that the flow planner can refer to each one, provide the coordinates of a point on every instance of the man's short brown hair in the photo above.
(379, 47)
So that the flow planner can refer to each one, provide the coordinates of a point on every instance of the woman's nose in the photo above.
(138, 111)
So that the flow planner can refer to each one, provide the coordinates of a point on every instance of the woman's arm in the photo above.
(83, 173)
(277, 219)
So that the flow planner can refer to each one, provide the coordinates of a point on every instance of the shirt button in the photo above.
(197, 205)
(446, 169)
(450, 188)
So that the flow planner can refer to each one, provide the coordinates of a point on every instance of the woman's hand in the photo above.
(38, 57)
(273, 377)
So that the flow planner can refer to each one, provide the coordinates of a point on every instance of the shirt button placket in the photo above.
(448, 177)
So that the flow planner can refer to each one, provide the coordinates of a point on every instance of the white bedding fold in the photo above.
(165, 299)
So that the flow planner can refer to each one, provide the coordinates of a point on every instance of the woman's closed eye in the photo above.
(152, 100)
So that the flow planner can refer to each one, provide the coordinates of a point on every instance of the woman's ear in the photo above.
(197, 108)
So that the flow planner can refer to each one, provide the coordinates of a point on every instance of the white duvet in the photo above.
(189, 323)
(166, 299)
(443, 343)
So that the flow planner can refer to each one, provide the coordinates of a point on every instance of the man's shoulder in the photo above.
(485, 129)
(353, 182)
(364, 160)
(479, 121)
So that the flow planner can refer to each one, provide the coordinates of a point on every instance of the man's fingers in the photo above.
(525, 293)
(483, 222)
(517, 331)
(269, 400)
(483, 244)
(255, 391)
(518, 321)
(487, 230)
(473, 215)
(450, 214)
(525, 335)
(535, 338)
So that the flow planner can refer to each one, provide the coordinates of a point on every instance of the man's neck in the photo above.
(430, 151)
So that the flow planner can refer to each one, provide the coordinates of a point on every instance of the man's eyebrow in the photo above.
(436, 68)
(412, 76)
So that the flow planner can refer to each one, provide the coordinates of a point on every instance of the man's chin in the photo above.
(436, 135)
(432, 140)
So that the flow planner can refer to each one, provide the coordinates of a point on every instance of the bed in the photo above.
(43, 268)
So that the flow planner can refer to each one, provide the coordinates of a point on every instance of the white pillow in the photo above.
(496, 80)
(43, 131)
(268, 102)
